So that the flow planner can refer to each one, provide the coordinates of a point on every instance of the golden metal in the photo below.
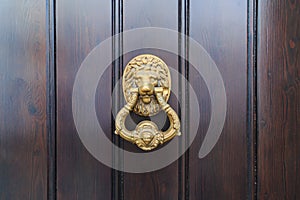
(146, 87)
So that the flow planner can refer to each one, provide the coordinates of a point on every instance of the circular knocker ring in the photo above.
(146, 87)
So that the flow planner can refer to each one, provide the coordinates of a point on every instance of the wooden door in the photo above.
(255, 46)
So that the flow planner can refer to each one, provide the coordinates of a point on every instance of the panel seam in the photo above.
(51, 99)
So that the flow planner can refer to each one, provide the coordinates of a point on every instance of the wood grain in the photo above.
(23, 130)
(81, 25)
(221, 28)
(227, 30)
(278, 99)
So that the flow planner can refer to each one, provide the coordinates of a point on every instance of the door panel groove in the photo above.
(183, 69)
(51, 98)
(117, 69)
(252, 99)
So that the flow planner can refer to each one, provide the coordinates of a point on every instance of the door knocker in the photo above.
(146, 88)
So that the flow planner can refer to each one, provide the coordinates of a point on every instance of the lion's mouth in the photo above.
(146, 98)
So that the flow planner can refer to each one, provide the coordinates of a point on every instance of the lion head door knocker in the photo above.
(146, 87)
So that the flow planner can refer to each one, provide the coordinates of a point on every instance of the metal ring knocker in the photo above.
(146, 87)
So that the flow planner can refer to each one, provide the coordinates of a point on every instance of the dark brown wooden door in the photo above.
(253, 44)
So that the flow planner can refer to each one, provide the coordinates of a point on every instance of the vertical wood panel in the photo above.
(23, 131)
(278, 99)
(161, 184)
(221, 28)
(81, 25)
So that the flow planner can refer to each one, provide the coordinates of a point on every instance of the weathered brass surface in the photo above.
(146, 87)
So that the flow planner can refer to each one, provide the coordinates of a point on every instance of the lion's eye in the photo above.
(153, 81)
(138, 80)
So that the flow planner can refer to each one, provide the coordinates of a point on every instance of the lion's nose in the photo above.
(146, 89)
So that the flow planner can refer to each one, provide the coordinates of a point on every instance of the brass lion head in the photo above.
(145, 73)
